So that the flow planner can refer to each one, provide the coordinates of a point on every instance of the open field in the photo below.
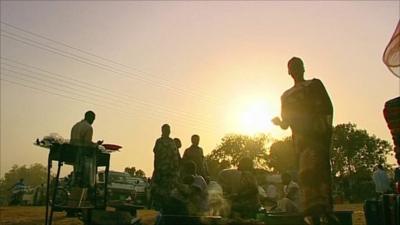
(26, 215)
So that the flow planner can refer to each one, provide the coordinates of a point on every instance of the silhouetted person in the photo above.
(291, 195)
(381, 181)
(195, 153)
(166, 169)
(178, 144)
(85, 165)
(307, 109)
(246, 202)
(18, 191)
(271, 194)
(82, 131)
(397, 180)
(39, 195)
(190, 196)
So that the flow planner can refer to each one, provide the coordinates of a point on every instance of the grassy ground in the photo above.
(26, 215)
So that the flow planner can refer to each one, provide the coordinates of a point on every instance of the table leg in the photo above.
(48, 190)
(55, 192)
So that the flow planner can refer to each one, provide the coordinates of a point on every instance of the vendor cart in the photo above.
(67, 154)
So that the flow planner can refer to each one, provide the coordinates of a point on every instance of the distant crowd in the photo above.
(182, 186)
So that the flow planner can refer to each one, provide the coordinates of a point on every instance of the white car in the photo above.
(119, 187)
(141, 189)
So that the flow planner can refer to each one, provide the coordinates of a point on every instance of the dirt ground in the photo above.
(26, 215)
(358, 212)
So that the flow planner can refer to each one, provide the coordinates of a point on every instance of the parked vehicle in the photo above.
(141, 189)
(120, 189)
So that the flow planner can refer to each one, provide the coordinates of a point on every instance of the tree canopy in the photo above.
(354, 155)
(235, 146)
(281, 156)
(355, 151)
(34, 175)
(134, 172)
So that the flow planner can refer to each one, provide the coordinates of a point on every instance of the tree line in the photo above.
(354, 155)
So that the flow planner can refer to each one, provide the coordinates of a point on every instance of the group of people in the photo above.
(180, 185)
(178, 181)
(305, 108)
(290, 198)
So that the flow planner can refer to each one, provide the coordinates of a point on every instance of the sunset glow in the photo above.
(210, 68)
(255, 118)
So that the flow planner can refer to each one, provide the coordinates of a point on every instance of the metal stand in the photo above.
(68, 154)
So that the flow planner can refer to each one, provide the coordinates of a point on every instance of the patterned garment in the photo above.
(307, 109)
(165, 174)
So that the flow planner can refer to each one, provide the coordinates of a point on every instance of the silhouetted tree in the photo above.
(135, 173)
(130, 170)
(354, 150)
(281, 156)
(214, 166)
(140, 173)
(235, 146)
(354, 155)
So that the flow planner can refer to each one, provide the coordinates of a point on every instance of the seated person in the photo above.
(190, 197)
(241, 190)
(272, 195)
(291, 195)
(217, 204)
(229, 180)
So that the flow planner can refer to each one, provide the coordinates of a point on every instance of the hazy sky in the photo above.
(207, 68)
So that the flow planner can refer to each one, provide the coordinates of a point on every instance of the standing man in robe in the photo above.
(166, 169)
(307, 109)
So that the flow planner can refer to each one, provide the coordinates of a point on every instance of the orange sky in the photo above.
(209, 68)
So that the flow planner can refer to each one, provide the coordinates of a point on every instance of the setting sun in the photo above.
(255, 118)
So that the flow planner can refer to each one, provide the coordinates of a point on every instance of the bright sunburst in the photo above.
(255, 117)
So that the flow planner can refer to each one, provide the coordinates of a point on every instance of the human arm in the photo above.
(155, 151)
(88, 136)
(283, 120)
(278, 122)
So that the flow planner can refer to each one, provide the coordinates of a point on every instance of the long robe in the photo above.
(166, 171)
(307, 109)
